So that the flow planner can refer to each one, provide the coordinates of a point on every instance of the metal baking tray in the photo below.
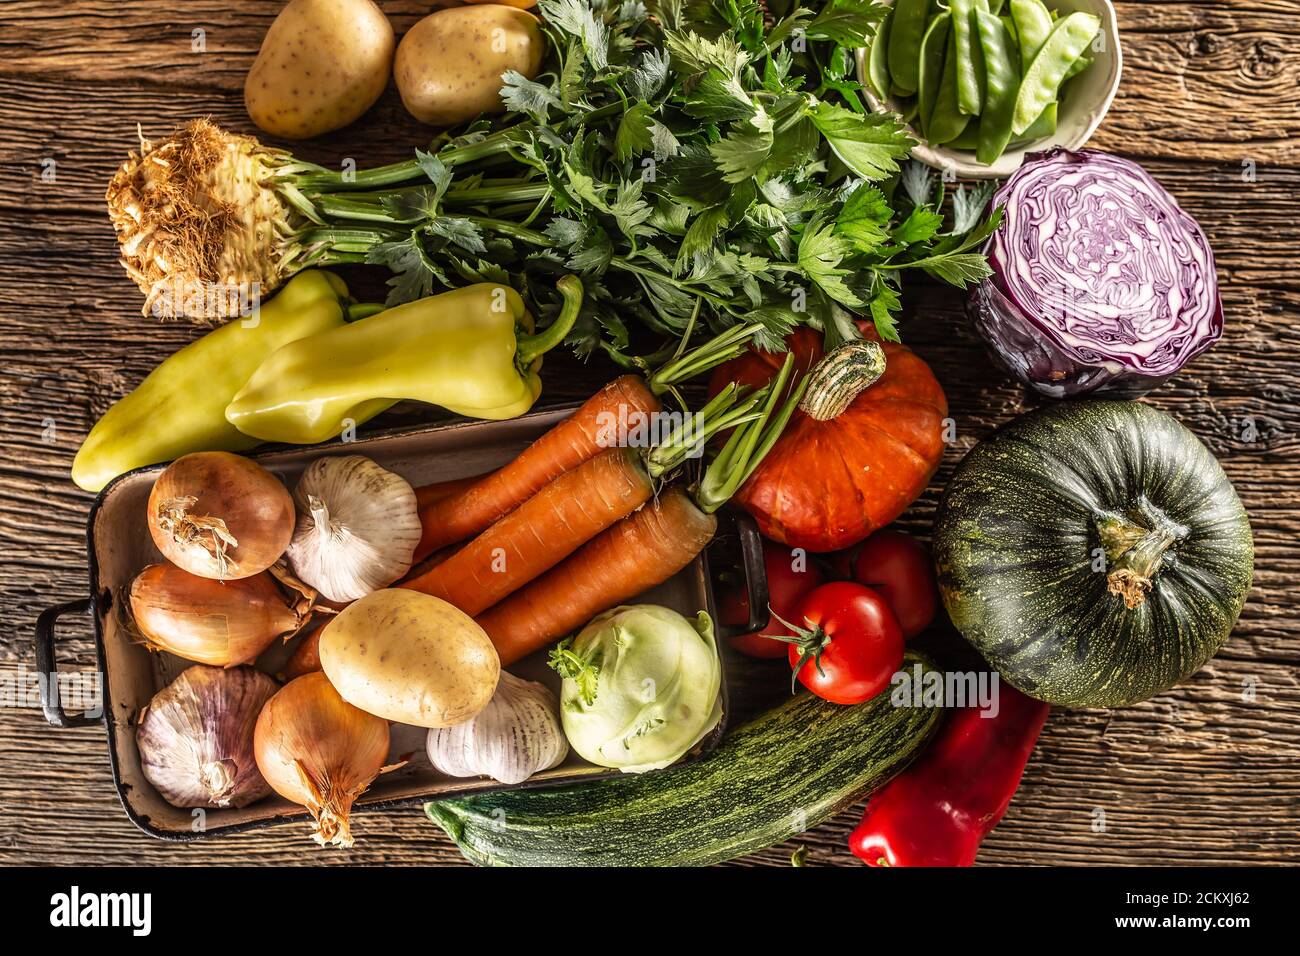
(119, 546)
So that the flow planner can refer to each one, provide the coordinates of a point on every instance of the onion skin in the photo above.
(1101, 283)
(196, 737)
(221, 623)
(317, 750)
(220, 515)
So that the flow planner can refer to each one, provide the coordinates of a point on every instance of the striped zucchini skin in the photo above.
(1016, 548)
(784, 772)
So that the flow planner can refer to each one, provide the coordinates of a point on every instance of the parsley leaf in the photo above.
(869, 144)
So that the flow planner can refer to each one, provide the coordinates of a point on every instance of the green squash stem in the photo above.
(1135, 549)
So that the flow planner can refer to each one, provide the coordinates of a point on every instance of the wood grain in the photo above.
(1210, 103)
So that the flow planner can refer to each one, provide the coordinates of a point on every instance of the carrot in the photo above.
(579, 437)
(541, 532)
(428, 494)
(644, 549)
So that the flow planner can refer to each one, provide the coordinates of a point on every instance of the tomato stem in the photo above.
(810, 641)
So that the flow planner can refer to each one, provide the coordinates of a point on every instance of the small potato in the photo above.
(448, 67)
(410, 657)
(322, 64)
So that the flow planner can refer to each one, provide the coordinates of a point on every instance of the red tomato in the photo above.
(899, 567)
(852, 643)
(786, 588)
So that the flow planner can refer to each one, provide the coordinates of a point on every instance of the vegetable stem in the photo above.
(529, 348)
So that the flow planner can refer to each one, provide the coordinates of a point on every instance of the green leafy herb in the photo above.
(701, 163)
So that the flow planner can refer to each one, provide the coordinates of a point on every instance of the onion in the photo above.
(316, 749)
(220, 516)
(214, 622)
(196, 737)
(1100, 281)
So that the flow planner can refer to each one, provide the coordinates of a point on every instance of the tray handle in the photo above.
(48, 666)
(751, 563)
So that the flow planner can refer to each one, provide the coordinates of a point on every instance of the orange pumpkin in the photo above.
(828, 484)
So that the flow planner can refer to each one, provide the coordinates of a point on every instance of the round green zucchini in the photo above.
(1094, 552)
(784, 772)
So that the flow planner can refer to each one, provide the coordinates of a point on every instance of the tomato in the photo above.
(899, 567)
(851, 644)
(786, 587)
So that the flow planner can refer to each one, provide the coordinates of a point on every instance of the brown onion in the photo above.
(305, 658)
(214, 622)
(220, 516)
(196, 737)
(316, 749)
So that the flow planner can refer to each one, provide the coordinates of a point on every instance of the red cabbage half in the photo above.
(1100, 281)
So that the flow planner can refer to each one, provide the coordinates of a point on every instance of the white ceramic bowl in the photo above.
(1087, 98)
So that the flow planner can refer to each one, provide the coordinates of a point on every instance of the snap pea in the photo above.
(905, 35)
(1009, 22)
(1033, 24)
(970, 71)
(947, 121)
(878, 57)
(933, 47)
(1043, 127)
(1043, 77)
(995, 6)
(1002, 82)
(969, 140)
(1078, 66)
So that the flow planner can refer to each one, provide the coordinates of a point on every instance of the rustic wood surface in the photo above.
(1210, 104)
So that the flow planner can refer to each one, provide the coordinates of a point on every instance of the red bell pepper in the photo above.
(936, 812)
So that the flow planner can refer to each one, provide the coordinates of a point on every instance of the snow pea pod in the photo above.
(970, 66)
(933, 48)
(947, 121)
(969, 139)
(1033, 24)
(878, 57)
(905, 35)
(1043, 127)
(1078, 66)
(1002, 82)
(995, 6)
(1043, 77)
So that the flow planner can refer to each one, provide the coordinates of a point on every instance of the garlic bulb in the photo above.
(357, 529)
(196, 737)
(517, 734)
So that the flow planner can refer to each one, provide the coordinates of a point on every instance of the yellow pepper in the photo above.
(462, 350)
(180, 407)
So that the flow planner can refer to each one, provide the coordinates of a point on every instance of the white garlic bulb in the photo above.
(517, 734)
(358, 525)
(196, 737)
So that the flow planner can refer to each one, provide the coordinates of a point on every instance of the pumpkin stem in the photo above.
(1135, 549)
(841, 375)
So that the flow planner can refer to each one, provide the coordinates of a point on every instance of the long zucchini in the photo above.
(784, 772)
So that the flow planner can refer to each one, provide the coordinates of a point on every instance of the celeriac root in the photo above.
(199, 228)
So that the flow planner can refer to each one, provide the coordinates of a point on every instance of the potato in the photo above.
(449, 65)
(322, 64)
(410, 657)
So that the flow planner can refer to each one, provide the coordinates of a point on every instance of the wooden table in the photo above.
(1210, 104)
